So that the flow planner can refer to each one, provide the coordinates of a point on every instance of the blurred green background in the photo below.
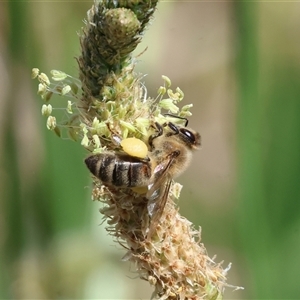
(239, 64)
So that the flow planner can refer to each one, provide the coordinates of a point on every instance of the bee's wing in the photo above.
(156, 206)
(159, 188)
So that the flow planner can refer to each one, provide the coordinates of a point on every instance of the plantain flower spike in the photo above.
(113, 106)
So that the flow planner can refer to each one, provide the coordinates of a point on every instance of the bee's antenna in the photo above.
(178, 117)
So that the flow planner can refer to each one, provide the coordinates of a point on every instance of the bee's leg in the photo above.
(115, 137)
(155, 135)
(174, 128)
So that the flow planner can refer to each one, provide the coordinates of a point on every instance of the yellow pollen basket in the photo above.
(135, 147)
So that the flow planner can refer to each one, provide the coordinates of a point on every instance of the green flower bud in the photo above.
(167, 80)
(34, 73)
(65, 90)
(69, 107)
(168, 104)
(58, 75)
(46, 110)
(51, 123)
(43, 78)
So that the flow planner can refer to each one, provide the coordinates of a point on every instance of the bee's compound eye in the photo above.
(188, 135)
(135, 147)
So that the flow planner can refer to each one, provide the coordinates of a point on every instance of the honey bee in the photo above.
(169, 154)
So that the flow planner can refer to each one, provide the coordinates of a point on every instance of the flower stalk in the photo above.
(108, 104)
